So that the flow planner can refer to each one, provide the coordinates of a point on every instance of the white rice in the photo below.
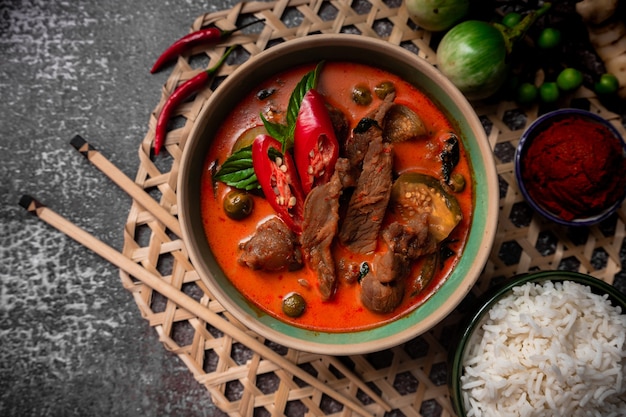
(549, 350)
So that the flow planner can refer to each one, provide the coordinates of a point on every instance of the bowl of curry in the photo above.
(338, 195)
(570, 166)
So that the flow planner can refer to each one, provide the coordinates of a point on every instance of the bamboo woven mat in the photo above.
(411, 377)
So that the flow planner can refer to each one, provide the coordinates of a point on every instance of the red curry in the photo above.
(266, 290)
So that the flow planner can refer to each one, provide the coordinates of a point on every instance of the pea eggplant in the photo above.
(473, 54)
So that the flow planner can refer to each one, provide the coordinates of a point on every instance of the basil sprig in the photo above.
(284, 133)
(237, 170)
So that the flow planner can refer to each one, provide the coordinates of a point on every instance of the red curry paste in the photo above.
(575, 168)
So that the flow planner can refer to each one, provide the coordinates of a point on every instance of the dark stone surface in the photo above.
(72, 340)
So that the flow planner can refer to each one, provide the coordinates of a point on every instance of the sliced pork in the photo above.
(273, 247)
(411, 240)
(382, 289)
(381, 297)
(319, 228)
(368, 203)
(356, 145)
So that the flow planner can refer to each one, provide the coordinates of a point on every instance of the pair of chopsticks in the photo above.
(182, 300)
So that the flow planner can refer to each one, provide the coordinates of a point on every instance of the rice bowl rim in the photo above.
(485, 302)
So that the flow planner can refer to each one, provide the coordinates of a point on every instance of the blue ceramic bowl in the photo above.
(526, 141)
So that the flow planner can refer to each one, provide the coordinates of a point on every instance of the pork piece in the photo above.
(341, 124)
(273, 247)
(355, 146)
(390, 266)
(410, 240)
(319, 228)
(368, 203)
(346, 174)
(347, 271)
(381, 297)
(379, 113)
(382, 289)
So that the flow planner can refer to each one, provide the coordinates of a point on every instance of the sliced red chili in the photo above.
(279, 180)
(315, 144)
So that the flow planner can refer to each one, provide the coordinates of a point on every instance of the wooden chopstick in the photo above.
(126, 184)
(181, 299)
(148, 203)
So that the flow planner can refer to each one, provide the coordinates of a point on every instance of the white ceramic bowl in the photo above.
(415, 70)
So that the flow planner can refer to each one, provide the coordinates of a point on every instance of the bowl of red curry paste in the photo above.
(357, 291)
(570, 165)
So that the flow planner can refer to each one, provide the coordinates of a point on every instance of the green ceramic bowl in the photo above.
(482, 306)
(395, 59)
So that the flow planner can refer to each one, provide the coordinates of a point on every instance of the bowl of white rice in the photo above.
(548, 344)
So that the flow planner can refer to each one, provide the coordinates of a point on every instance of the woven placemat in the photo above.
(411, 377)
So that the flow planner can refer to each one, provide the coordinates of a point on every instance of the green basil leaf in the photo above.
(284, 133)
(276, 130)
(307, 82)
(237, 171)
(244, 180)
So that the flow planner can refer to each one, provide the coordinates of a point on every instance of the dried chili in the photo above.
(212, 34)
(185, 90)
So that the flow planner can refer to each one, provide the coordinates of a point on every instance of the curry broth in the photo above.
(266, 290)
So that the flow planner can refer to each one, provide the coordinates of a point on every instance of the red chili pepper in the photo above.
(279, 181)
(186, 89)
(212, 34)
(315, 144)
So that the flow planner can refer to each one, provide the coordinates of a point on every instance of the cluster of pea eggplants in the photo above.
(497, 48)
(552, 49)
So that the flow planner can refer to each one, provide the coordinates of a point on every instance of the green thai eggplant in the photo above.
(474, 54)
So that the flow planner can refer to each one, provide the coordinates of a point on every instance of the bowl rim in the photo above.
(526, 139)
(483, 304)
(453, 290)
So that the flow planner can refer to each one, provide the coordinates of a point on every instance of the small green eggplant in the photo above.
(473, 54)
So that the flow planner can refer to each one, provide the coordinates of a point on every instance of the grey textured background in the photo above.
(72, 341)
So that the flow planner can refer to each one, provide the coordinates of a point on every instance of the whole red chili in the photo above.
(186, 89)
(315, 144)
(212, 34)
